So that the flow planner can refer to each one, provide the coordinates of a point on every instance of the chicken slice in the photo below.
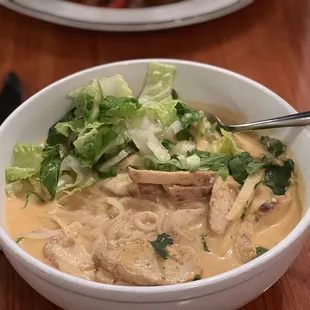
(224, 193)
(243, 242)
(67, 255)
(182, 193)
(199, 178)
(134, 260)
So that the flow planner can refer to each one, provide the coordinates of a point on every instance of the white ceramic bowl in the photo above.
(196, 82)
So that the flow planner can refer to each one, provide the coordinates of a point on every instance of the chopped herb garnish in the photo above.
(18, 240)
(107, 174)
(187, 115)
(260, 250)
(274, 146)
(197, 277)
(160, 244)
(204, 243)
(243, 165)
(168, 144)
(278, 177)
(185, 135)
(40, 199)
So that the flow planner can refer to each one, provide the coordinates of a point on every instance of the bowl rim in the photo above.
(80, 284)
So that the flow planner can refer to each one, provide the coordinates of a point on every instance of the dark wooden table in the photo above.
(268, 42)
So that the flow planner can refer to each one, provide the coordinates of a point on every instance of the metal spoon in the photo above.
(292, 120)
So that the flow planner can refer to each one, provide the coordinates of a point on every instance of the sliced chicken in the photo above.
(149, 190)
(135, 261)
(121, 185)
(181, 193)
(224, 193)
(243, 242)
(66, 254)
(199, 178)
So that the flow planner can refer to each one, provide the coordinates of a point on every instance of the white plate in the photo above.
(160, 17)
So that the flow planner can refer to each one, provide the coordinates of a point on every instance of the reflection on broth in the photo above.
(162, 207)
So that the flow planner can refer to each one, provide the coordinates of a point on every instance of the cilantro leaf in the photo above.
(274, 146)
(242, 165)
(40, 199)
(20, 239)
(204, 243)
(160, 244)
(168, 144)
(197, 277)
(278, 177)
(260, 250)
(187, 115)
(107, 174)
(184, 135)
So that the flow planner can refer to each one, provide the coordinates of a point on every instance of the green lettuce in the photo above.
(92, 145)
(73, 176)
(115, 86)
(158, 83)
(87, 101)
(163, 112)
(225, 145)
(27, 161)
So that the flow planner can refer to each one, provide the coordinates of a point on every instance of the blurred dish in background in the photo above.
(177, 13)
(121, 4)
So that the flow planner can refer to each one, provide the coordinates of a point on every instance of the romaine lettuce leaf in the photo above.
(66, 128)
(158, 83)
(225, 145)
(115, 86)
(78, 177)
(118, 107)
(87, 101)
(149, 144)
(92, 145)
(163, 112)
(13, 174)
(28, 156)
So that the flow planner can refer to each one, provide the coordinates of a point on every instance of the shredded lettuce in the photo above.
(76, 178)
(87, 101)
(115, 86)
(13, 174)
(158, 83)
(149, 144)
(66, 128)
(28, 156)
(225, 145)
(163, 112)
(207, 131)
(182, 148)
(92, 145)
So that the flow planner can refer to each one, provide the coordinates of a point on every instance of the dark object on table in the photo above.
(11, 95)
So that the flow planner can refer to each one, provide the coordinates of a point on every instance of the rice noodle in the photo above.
(43, 234)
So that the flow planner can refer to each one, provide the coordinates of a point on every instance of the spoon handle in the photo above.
(292, 120)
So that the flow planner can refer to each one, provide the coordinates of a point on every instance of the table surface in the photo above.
(269, 42)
